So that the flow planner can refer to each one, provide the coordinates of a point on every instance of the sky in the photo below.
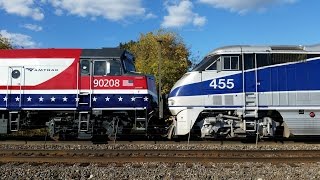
(202, 24)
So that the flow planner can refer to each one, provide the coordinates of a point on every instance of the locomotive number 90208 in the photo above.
(106, 83)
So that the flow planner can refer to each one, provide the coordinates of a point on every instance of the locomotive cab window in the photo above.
(115, 67)
(230, 63)
(213, 66)
(249, 61)
(129, 65)
(110, 67)
(263, 60)
(85, 67)
(15, 74)
(101, 68)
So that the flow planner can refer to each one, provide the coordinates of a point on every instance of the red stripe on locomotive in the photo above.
(67, 79)
(40, 53)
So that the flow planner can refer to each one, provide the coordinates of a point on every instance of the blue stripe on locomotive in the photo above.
(113, 102)
(302, 76)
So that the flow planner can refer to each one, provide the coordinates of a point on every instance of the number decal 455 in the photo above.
(222, 83)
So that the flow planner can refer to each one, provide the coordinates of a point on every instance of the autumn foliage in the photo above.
(4, 43)
(174, 57)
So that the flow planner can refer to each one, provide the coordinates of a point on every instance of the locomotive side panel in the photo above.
(38, 80)
(291, 84)
(110, 92)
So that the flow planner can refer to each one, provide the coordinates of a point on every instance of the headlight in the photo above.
(171, 102)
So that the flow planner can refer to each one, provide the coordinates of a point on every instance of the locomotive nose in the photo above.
(187, 85)
(185, 90)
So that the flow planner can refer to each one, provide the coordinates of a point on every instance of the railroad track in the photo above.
(169, 156)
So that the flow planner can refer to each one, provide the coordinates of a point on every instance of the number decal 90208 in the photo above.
(222, 83)
(106, 83)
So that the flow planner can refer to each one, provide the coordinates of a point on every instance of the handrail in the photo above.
(8, 86)
(22, 72)
(78, 90)
(243, 85)
(256, 77)
(90, 85)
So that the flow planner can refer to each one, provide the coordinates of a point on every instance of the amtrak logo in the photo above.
(42, 69)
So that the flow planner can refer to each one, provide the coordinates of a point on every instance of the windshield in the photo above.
(207, 61)
(213, 66)
(129, 65)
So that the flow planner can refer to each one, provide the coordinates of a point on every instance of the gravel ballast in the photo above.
(145, 171)
(160, 170)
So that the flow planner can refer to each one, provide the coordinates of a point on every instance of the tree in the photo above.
(174, 57)
(4, 43)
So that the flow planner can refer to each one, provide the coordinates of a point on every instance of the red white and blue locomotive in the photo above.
(76, 92)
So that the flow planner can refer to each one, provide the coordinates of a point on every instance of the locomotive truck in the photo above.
(76, 93)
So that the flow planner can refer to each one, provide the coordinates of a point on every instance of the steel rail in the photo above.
(181, 156)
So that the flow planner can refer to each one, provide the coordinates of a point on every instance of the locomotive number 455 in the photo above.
(222, 83)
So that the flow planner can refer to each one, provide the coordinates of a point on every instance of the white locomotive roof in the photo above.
(272, 48)
(313, 48)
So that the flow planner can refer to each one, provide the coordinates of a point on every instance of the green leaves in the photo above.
(174, 57)
(4, 43)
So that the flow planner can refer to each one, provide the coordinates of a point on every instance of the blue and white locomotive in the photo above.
(239, 91)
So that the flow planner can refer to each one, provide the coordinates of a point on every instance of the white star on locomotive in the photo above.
(133, 99)
(107, 98)
(17, 99)
(41, 99)
(146, 98)
(77, 99)
(5, 99)
(65, 99)
(29, 99)
(120, 98)
(53, 99)
(94, 99)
